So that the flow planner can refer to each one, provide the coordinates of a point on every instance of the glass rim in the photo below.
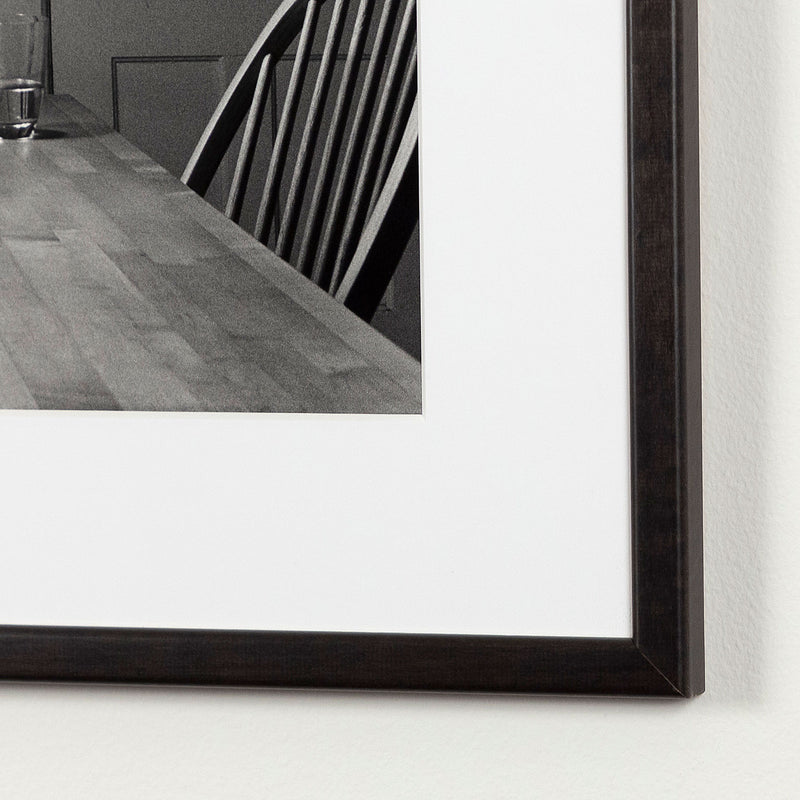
(21, 19)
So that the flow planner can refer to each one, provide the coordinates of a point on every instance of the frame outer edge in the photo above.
(665, 335)
(692, 666)
(333, 661)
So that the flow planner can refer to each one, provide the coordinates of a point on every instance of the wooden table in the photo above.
(122, 289)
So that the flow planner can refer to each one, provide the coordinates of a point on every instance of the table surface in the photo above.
(122, 289)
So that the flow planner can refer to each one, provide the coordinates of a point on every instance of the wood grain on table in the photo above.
(122, 289)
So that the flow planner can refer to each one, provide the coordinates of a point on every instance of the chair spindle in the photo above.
(323, 271)
(368, 274)
(333, 142)
(302, 170)
(241, 176)
(358, 208)
(280, 148)
(408, 95)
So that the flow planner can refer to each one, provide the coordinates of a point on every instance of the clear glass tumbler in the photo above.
(23, 56)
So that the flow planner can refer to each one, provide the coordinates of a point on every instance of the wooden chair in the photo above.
(349, 233)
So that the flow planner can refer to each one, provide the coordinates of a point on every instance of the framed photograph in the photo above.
(525, 517)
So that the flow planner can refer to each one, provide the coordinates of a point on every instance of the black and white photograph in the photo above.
(156, 197)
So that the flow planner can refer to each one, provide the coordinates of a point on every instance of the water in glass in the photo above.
(20, 99)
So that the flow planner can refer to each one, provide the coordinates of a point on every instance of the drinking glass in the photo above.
(23, 55)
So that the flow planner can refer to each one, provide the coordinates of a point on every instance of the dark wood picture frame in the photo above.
(665, 654)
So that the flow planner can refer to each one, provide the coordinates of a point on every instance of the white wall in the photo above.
(740, 740)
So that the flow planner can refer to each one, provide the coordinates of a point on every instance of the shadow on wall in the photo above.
(740, 170)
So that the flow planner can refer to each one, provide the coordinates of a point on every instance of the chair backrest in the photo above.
(345, 211)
